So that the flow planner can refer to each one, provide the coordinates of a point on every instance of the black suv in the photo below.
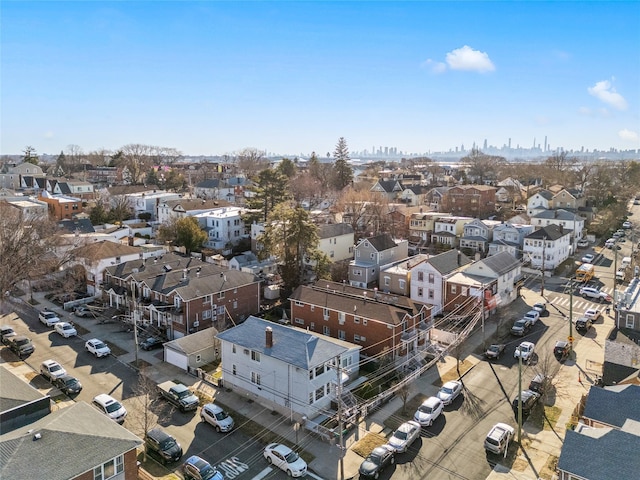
(529, 400)
(163, 445)
(583, 324)
(21, 346)
(561, 350)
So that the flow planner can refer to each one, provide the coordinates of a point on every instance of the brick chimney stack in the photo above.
(269, 337)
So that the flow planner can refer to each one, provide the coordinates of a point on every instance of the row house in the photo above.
(541, 200)
(76, 188)
(467, 295)
(421, 226)
(399, 219)
(509, 238)
(29, 207)
(12, 176)
(447, 230)
(477, 234)
(336, 241)
(62, 207)
(469, 200)
(396, 279)
(372, 254)
(380, 323)
(287, 369)
(570, 221)
(547, 247)
(102, 175)
(434, 198)
(428, 277)
(215, 189)
(182, 295)
(569, 198)
(224, 226)
(504, 272)
(185, 207)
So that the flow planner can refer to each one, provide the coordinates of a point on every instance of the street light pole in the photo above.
(520, 399)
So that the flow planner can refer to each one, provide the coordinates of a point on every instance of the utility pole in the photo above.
(482, 296)
(340, 427)
(135, 323)
(520, 399)
(571, 319)
(544, 247)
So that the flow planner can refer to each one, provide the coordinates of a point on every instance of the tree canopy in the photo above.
(342, 171)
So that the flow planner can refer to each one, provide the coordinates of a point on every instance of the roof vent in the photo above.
(37, 436)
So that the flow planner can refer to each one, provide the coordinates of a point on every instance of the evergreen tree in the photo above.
(287, 168)
(30, 155)
(343, 173)
(270, 189)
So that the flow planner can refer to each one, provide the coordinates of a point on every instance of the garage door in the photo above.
(175, 358)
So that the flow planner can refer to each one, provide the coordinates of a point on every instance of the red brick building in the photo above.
(469, 200)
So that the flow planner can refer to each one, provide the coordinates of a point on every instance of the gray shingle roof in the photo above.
(15, 392)
(625, 403)
(73, 440)
(550, 232)
(334, 229)
(613, 456)
(559, 214)
(210, 183)
(501, 262)
(382, 242)
(195, 342)
(449, 261)
(291, 345)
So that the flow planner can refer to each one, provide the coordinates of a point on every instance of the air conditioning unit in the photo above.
(196, 324)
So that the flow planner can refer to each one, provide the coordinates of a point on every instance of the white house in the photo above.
(285, 368)
(147, 202)
(184, 207)
(336, 241)
(428, 277)
(223, 226)
(547, 247)
(29, 207)
(504, 268)
(539, 201)
(571, 222)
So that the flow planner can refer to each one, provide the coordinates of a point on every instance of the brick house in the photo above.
(374, 253)
(464, 293)
(181, 295)
(469, 200)
(62, 207)
(376, 321)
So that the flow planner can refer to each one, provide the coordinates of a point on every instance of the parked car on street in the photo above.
(48, 318)
(151, 343)
(285, 459)
(21, 346)
(529, 400)
(583, 324)
(595, 293)
(162, 445)
(540, 307)
(524, 351)
(196, 468)
(429, 411)
(50, 369)
(450, 391)
(495, 351)
(561, 350)
(65, 329)
(6, 332)
(521, 327)
(97, 348)
(110, 407)
(84, 311)
(627, 224)
(216, 417)
(68, 384)
(404, 436)
(532, 315)
(583, 243)
(498, 439)
(379, 459)
(588, 258)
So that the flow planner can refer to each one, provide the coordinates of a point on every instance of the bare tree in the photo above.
(74, 157)
(137, 158)
(402, 393)
(251, 161)
(120, 209)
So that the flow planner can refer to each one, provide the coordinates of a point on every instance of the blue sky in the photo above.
(292, 77)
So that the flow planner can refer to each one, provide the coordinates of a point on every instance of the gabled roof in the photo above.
(291, 345)
(613, 405)
(82, 225)
(449, 261)
(210, 183)
(104, 249)
(64, 188)
(550, 232)
(380, 242)
(328, 230)
(73, 440)
(389, 186)
(600, 454)
(188, 204)
(546, 194)
(15, 392)
(500, 263)
(195, 342)
(558, 214)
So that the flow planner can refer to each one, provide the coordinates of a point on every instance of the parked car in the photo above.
(540, 307)
(610, 242)
(495, 351)
(162, 445)
(97, 348)
(379, 459)
(84, 311)
(532, 315)
(6, 332)
(561, 350)
(521, 327)
(68, 384)
(595, 294)
(110, 407)
(50, 369)
(593, 313)
(285, 459)
(21, 346)
(539, 383)
(196, 468)
(524, 351)
(588, 258)
(583, 324)
(627, 224)
(151, 343)
(404, 436)
(48, 318)
(216, 417)
(583, 243)
(429, 411)
(529, 400)
(65, 329)
(498, 438)
(621, 273)
(449, 391)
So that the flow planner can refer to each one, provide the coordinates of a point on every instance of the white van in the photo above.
(626, 261)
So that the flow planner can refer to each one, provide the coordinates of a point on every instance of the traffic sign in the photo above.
(570, 339)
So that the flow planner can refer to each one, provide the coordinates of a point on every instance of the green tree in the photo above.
(152, 178)
(292, 237)
(343, 173)
(271, 188)
(30, 155)
(99, 214)
(189, 234)
(287, 168)
(174, 180)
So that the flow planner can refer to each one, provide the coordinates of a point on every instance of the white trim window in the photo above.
(109, 469)
(629, 320)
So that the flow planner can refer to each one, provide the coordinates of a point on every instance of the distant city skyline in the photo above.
(212, 78)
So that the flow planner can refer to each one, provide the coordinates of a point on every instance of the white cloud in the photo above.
(466, 58)
(629, 135)
(605, 92)
(435, 67)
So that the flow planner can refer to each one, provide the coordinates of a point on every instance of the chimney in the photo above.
(459, 257)
(269, 337)
(184, 274)
(561, 228)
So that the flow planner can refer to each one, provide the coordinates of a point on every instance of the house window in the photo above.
(221, 295)
(421, 276)
(463, 291)
(372, 256)
(357, 272)
(255, 378)
(299, 303)
(312, 308)
(198, 358)
(430, 294)
(431, 278)
(310, 398)
(387, 281)
(319, 393)
(630, 320)
(206, 314)
(356, 319)
(235, 304)
(299, 321)
(255, 356)
(358, 338)
(342, 335)
(364, 322)
(325, 313)
(401, 284)
(341, 318)
(109, 469)
(312, 326)
(319, 370)
(454, 289)
(420, 291)
(233, 348)
(326, 330)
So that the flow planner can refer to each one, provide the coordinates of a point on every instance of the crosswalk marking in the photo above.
(262, 474)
